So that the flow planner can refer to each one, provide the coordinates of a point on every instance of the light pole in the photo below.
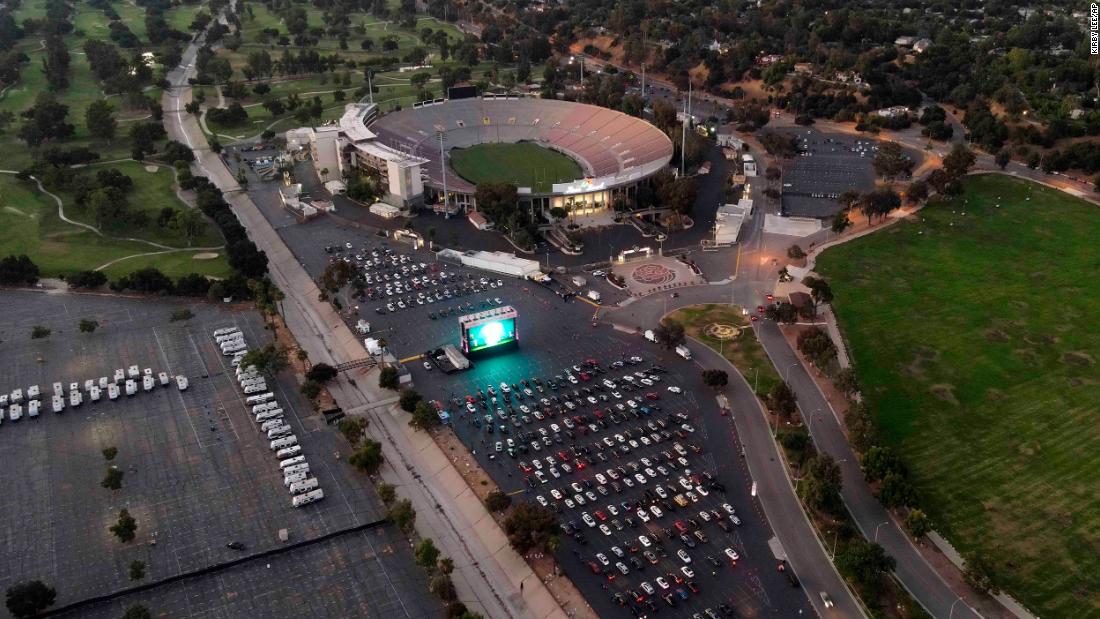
(787, 372)
(878, 527)
(443, 169)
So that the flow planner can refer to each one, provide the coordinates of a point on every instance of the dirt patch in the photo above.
(994, 395)
(996, 335)
(944, 392)
(1027, 354)
(1040, 340)
(152, 169)
(1029, 448)
(1078, 358)
(922, 357)
(206, 255)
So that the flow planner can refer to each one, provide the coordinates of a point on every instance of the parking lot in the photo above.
(827, 166)
(649, 444)
(198, 474)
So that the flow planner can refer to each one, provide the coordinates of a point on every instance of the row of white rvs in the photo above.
(268, 414)
(128, 381)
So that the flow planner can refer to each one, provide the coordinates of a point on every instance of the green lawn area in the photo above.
(744, 351)
(974, 331)
(523, 164)
(31, 226)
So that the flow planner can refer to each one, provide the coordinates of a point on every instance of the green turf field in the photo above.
(523, 164)
(31, 226)
(974, 329)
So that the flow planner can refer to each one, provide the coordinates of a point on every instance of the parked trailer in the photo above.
(225, 331)
(181, 382)
(289, 462)
(94, 393)
(76, 398)
(163, 378)
(255, 389)
(288, 452)
(307, 484)
(310, 497)
(147, 372)
(32, 408)
(74, 387)
(229, 337)
(133, 371)
(294, 478)
(278, 432)
(58, 404)
(253, 400)
(131, 387)
(88, 384)
(33, 393)
(273, 423)
(17, 396)
(301, 467)
(147, 383)
(269, 415)
(58, 389)
(284, 442)
(120, 375)
(245, 370)
(103, 383)
(15, 413)
(263, 407)
(112, 391)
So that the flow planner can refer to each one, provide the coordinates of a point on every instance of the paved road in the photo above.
(487, 571)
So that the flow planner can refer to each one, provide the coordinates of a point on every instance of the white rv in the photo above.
(131, 387)
(307, 484)
(307, 498)
(283, 443)
(112, 391)
(58, 404)
(181, 382)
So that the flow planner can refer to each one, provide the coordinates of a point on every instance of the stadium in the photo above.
(559, 154)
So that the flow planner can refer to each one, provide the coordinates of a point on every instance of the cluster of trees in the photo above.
(18, 271)
(532, 527)
(499, 203)
(245, 258)
(818, 347)
(881, 465)
(231, 116)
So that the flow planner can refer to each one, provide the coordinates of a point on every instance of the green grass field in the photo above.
(523, 164)
(974, 331)
(744, 352)
(31, 226)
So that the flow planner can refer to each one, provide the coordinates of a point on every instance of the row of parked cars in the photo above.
(128, 381)
(268, 415)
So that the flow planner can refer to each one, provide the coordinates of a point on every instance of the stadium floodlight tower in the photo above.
(443, 172)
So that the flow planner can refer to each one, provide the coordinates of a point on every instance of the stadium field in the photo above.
(973, 328)
(522, 164)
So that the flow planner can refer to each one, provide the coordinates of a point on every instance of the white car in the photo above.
(644, 541)
(643, 515)
(732, 554)
(614, 511)
(648, 588)
(555, 493)
(657, 513)
(662, 583)
(687, 572)
(601, 479)
(570, 504)
(686, 558)
(605, 529)
(589, 520)
(542, 501)
(602, 558)
(728, 508)
(675, 389)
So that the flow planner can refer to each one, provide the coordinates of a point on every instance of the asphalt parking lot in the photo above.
(198, 474)
(828, 165)
(555, 342)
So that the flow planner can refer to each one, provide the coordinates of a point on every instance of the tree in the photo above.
(878, 462)
(87, 326)
(446, 565)
(782, 401)
(424, 416)
(113, 479)
(978, 574)
(352, 428)
(86, 279)
(847, 381)
(840, 222)
(125, 527)
(100, 121)
(108, 207)
(848, 198)
(958, 161)
(402, 514)
(794, 252)
(109, 453)
(387, 493)
(497, 501)
(190, 222)
(442, 586)
(818, 347)
(917, 523)
(39, 332)
(368, 458)
(45, 121)
(18, 270)
(820, 291)
(270, 360)
(669, 333)
(322, 372)
(530, 527)
(782, 312)
(387, 378)
(137, 611)
(896, 490)
(28, 599)
(861, 430)
(865, 562)
(821, 489)
(426, 554)
(879, 201)
(409, 399)
(715, 378)
(311, 389)
(891, 161)
(137, 570)
(917, 192)
(1002, 158)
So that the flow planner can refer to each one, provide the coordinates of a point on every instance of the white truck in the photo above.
(649, 335)
(684, 352)
(593, 295)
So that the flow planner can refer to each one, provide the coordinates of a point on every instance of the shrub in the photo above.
(497, 501)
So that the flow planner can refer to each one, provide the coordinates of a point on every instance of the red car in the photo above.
(526, 468)
(680, 526)
(753, 318)
(564, 457)
(598, 413)
(759, 309)
(595, 567)
(585, 376)
(579, 464)
(652, 395)
(470, 399)
(769, 297)
(602, 516)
